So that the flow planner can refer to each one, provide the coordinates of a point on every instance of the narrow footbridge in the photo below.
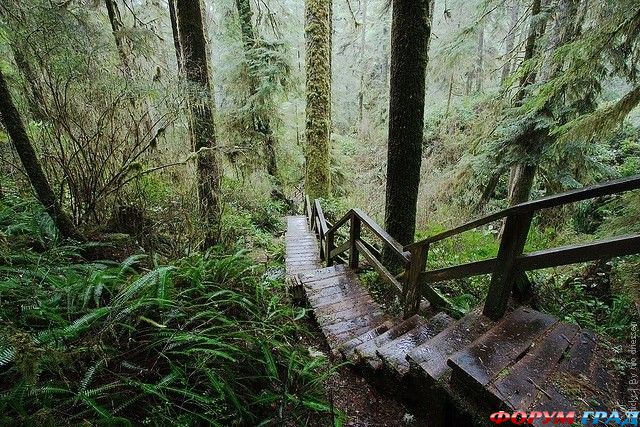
(458, 368)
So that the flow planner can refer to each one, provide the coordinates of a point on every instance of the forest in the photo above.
(153, 153)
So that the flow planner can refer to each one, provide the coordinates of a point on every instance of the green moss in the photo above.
(318, 109)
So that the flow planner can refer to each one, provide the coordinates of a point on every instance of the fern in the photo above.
(7, 354)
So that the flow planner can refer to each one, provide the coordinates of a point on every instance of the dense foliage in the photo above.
(210, 338)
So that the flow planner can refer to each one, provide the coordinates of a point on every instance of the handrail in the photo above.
(383, 235)
(414, 282)
(510, 261)
(598, 190)
(375, 229)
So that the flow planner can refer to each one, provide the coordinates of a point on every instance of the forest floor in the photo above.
(362, 404)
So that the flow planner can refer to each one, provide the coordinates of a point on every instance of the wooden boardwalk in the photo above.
(301, 246)
(527, 360)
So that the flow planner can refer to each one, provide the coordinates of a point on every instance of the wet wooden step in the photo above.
(367, 352)
(394, 353)
(429, 361)
(347, 349)
(507, 342)
(339, 333)
(516, 386)
(343, 309)
(580, 381)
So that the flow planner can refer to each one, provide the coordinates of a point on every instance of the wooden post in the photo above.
(330, 246)
(354, 235)
(411, 291)
(312, 219)
(514, 237)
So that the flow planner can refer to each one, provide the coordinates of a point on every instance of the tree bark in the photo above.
(116, 27)
(480, 63)
(174, 30)
(363, 68)
(536, 29)
(318, 93)
(410, 35)
(514, 11)
(193, 44)
(261, 122)
(31, 163)
(534, 139)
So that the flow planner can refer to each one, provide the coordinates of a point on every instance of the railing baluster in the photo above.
(330, 246)
(512, 244)
(354, 235)
(411, 292)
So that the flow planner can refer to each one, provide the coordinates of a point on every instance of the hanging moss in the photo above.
(318, 109)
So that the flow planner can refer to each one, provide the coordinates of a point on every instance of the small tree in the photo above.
(15, 128)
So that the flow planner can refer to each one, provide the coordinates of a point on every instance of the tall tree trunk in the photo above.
(536, 30)
(174, 30)
(514, 12)
(480, 62)
(534, 139)
(196, 68)
(262, 122)
(318, 110)
(363, 68)
(116, 27)
(410, 34)
(522, 175)
(15, 128)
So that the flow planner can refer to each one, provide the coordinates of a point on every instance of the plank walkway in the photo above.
(527, 360)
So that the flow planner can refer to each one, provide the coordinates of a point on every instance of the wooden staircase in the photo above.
(458, 371)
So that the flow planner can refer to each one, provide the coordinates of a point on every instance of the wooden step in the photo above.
(429, 361)
(516, 386)
(477, 365)
(347, 349)
(301, 247)
(367, 352)
(580, 381)
(394, 353)
(342, 308)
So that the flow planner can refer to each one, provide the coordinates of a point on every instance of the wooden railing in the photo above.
(415, 283)
(511, 260)
(354, 242)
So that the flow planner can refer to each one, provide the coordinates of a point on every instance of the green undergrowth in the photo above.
(210, 339)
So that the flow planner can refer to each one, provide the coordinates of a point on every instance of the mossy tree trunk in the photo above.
(16, 131)
(193, 45)
(318, 109)
(410, 33)
(261, 121)
(536, 137)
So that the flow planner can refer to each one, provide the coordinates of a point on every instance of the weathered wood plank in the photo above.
(478, 364)
(516, 386)
(463, 271)
(348, 348)
(514, 237)
(572, 254)
(383, 235)
(367, 352)
(394, 353)
(572, 196)
(430, 359)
